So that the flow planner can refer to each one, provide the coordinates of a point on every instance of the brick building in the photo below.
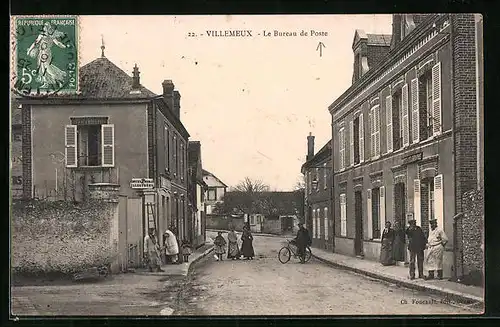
(404, 134)
(114, 132)
(318, 191)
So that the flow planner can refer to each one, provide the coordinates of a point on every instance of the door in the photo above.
(358, 222)
(399, 221)
(309, 220)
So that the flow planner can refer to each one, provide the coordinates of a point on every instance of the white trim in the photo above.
(413, 50)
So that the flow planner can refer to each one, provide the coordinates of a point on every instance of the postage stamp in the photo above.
(45, 55)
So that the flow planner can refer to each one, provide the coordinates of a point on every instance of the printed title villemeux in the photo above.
(250, 33)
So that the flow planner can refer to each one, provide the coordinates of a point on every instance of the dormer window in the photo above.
(407, 25)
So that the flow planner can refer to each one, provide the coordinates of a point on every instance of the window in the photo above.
(356, 148)
(375, 213)
(316, 177)
(394, 112)
(17, 135)
(342, 148)
(405, 129)
(182, 172)
(424, 112)
(89, 145)
(314, 223)
(212, 194)
(252, 220)
(326, 222)
(375, 131)
(166, 137)
(309, 181)
(343, 216)
(318, 223)
(325, 176)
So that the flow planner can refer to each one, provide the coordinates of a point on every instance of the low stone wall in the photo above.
(62, 237)
(271, 226)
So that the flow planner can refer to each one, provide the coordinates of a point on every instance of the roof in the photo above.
(379, 39)
(207, 173)
(102, 79)
(322, 154)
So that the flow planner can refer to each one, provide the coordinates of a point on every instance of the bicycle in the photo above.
(285, 253)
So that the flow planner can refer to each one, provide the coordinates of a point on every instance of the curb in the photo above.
(203, 255)
(450, 295)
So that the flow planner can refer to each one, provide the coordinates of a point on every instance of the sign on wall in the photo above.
(142, 183)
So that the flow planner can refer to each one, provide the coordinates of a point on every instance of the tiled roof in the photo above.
(379, 39)
(102, 79)
(207, 173)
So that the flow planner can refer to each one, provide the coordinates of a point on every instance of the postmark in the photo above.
(45, 55)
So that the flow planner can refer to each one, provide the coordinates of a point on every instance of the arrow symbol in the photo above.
(320, 48)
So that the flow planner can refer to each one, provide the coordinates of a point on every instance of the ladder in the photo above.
(150, 211)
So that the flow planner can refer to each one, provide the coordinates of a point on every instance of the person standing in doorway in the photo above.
(386, 251)
(416, 246)
(152, 251)
(435, 243)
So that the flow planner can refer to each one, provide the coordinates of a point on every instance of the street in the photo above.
(264, 286)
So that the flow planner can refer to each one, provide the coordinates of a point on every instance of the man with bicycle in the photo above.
(302, 241)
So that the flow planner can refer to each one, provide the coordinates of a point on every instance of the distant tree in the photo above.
(251, 186)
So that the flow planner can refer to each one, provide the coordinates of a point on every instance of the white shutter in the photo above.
(372, 141)
(382, 209)
(416, 201)
(108, 145)
(361, 139)
(439, 201)
(343, 222)
(388, 115)
(325, 176)
(314, 222)
(318, 224)
(326, 223)
(351, 138)
(405, 122)
(369, 213)
(377, 131)
(415, 112)
(70, 142)
(436, 98)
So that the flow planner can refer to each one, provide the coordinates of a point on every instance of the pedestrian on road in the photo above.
(435, 243)
(246, 243)
(186, 250)
(416, 245)
(386, 251)
(233, 251)
(399, 242)
(180, 257)
(171, 246)
(302, 240)
(220, 246)
(152, 251)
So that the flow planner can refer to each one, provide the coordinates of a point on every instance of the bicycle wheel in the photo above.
(308, 254)
(284, 255)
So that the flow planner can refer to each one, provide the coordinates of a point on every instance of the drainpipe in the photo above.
(332, 195)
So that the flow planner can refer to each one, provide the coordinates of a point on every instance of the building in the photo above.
(404, 135)
(317, 172)
(480, 100)
(114, 132)
(16, 158)
(216, 190)
(196, 195)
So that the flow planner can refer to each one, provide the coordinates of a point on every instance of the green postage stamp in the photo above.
(45, 55)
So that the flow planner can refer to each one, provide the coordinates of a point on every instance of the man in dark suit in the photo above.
(302, 240)
(416, 245)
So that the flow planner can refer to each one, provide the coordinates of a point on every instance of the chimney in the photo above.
(310, 147)
(168, 94)
(177, 104)
(135, 78)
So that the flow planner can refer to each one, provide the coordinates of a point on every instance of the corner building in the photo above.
(404, 135)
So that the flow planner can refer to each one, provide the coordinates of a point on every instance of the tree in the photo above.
(251, 186)
(300, 183)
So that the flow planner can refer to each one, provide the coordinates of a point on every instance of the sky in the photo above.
(250, 101)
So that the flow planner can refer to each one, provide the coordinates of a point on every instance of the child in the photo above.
(186, 250)
(220, 246)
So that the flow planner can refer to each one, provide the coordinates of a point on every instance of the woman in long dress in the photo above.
(233, 251)
(399, 242)
(386, 252)
(246, 243)
(171, 246)
(41, 49)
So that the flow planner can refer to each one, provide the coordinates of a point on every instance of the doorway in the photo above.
(358, 222)
(309, 223)
(399, 221)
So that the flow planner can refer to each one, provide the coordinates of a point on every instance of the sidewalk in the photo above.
(183, 268)
(470, 295)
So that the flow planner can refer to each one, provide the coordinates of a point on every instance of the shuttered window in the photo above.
(416, 202)
(182, 172)
(361, 139)
(176, 162)
(375, 131)
(166, 137)
(325, 176)
(343, 216)
(436, 98)
(388, 117)
(108, 145)
(351, 143)
(326, 223)
(405, 120)
(439, 200)
(70, 146)
(342, 148)
(415, 111)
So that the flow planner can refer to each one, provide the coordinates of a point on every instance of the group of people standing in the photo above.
(234, 252)
(171, 252)
(393, 241)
